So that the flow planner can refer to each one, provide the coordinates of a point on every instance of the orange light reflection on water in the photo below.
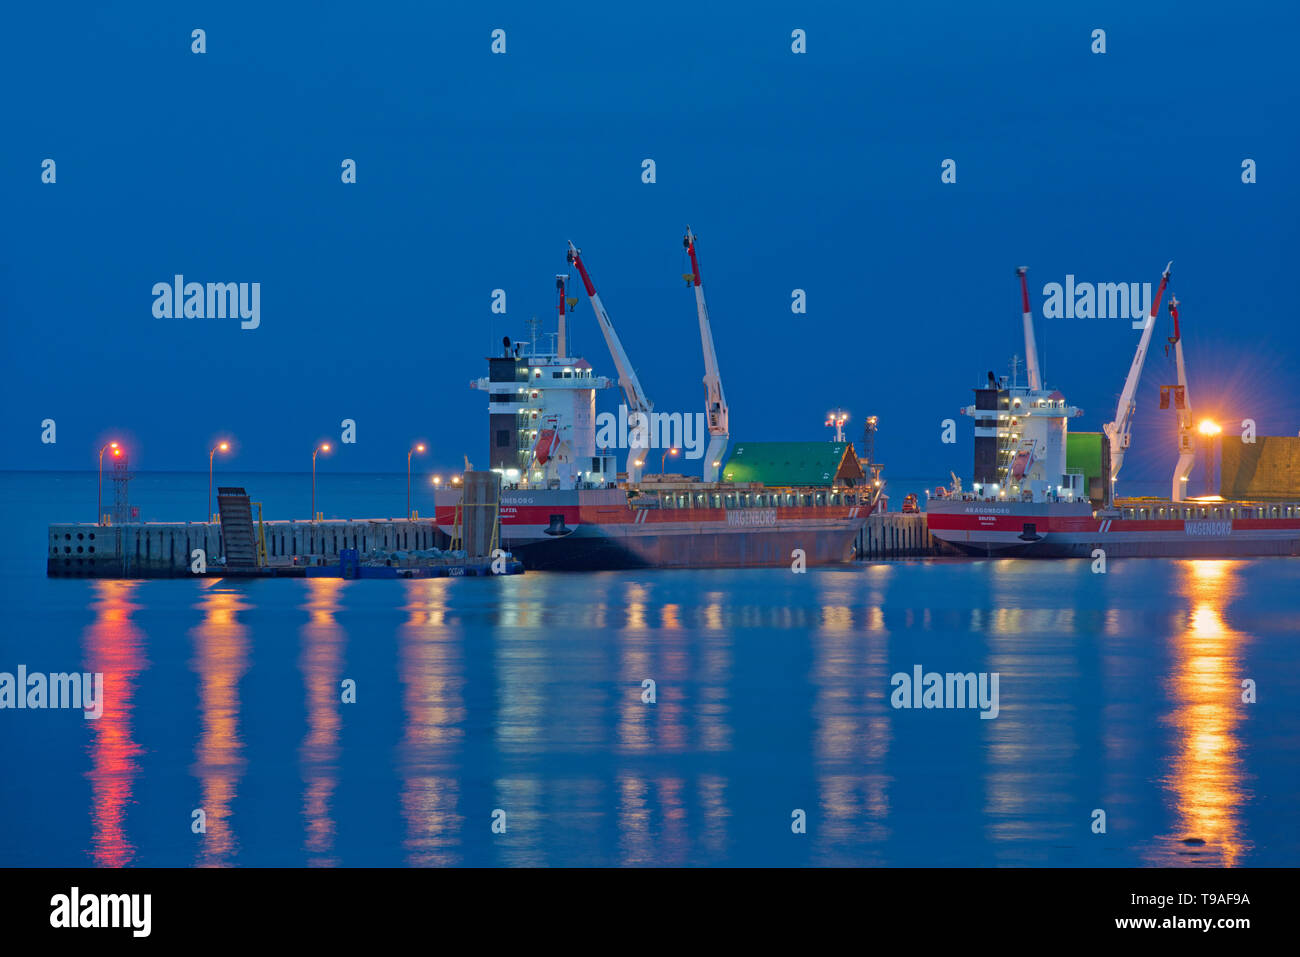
(1205, 777)
(113, 647)
(320, 659)
(220, 660)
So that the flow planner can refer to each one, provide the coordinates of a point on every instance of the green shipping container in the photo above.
(1084, 453)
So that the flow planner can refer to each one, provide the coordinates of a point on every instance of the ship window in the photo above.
(835, 498)
(821, 498)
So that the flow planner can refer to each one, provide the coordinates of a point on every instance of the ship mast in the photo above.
(560, 279)
(638, 404)
(1183, 407)
(1118, 431)
(1031, 348)
(715, 403)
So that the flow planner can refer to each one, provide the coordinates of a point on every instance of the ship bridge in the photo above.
(542, 420)
(1020, 443)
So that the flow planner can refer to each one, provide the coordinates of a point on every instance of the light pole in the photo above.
(219, 447)
(667, 452)
(415, 448)
(99, 499)
(1209, 430)
(323, 447)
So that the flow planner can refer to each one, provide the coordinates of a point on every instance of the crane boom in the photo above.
(715, 402)
(638, 404)
(1118, 431)
(1183, 407)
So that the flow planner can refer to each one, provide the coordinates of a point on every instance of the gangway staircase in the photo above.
(238, 541)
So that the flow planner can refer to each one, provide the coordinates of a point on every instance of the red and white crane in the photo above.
(1119, 431)
(638, 404)
(715, 402)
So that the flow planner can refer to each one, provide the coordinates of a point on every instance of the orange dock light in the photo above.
(219, 447)
(99, 500)
(323, 447)
(417, 447)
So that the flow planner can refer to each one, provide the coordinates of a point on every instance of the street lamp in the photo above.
(667, 452)
(323, 447)
(219, 447)
(99, 500)
(414, 449)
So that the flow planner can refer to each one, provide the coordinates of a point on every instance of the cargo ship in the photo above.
(1039, 491)
(565, 504)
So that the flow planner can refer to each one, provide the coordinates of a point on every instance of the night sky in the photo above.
(818, 171)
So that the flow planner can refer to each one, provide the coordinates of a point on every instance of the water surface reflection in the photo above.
(113, 646)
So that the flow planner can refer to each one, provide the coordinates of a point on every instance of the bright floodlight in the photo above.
(1208, 427)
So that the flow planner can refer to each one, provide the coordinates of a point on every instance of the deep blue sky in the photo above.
(818, 171)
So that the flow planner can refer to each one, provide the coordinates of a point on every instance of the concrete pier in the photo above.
(896, 535)
(165, 549)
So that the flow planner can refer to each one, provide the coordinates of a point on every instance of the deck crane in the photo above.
(1183, 406)
(638, 405)
(1118, 431)
(715, 403)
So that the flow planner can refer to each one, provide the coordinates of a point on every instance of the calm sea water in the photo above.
(1120, 692)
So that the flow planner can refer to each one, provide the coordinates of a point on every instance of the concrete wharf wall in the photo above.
(896, 535)
(163, 549)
